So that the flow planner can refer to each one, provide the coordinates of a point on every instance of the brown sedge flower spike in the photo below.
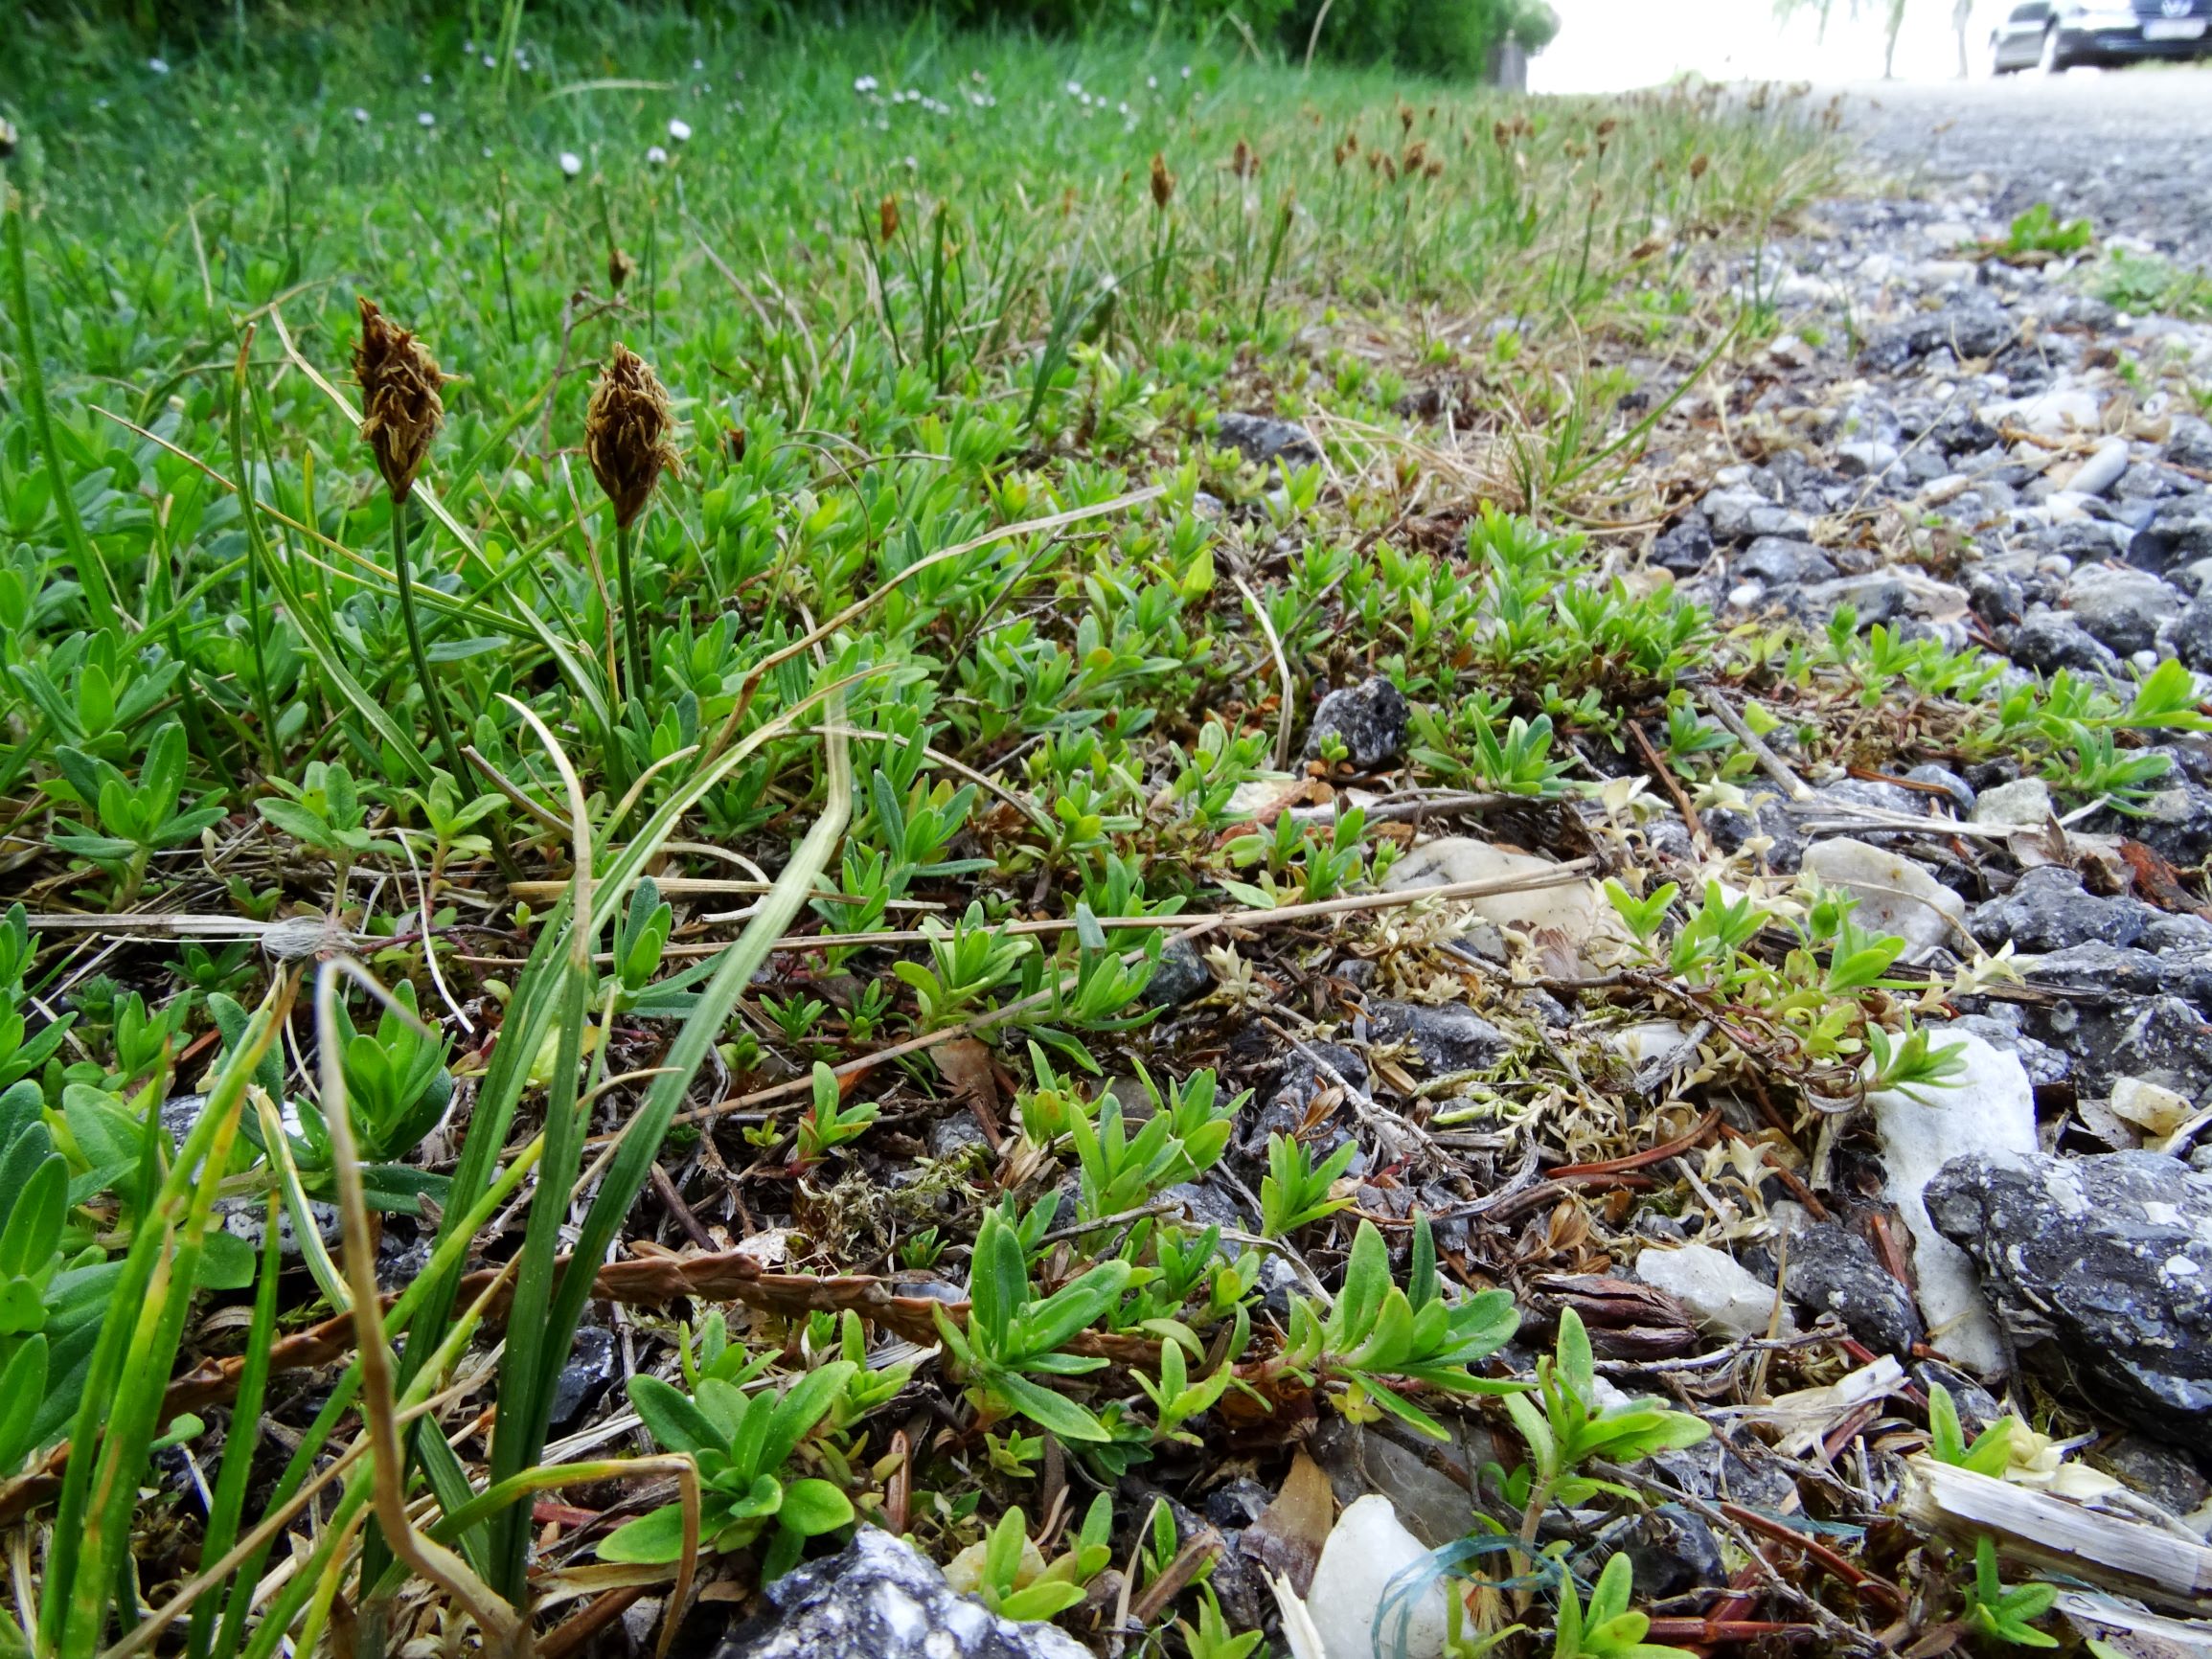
(887, 217)
(1163, 181)
(400, 409)
(625, 433)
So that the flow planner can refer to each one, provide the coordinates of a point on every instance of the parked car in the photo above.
(2059, 34)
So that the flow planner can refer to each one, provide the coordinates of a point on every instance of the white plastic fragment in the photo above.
(1987, 1107)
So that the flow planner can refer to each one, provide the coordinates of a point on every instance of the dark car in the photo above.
(2059, 34)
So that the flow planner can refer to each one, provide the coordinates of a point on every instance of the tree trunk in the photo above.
(1890, 45)
(1961, 18)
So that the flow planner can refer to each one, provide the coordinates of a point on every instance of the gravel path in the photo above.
(1989, 455)
(2132, 149)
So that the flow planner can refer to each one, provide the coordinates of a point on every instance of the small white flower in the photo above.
(160, 66)
(490, 61)
(360, 115)
(467, 47)
(1186, 72)
(656, 156)
(865, 84)
(1123, 106)
(1074, 90)
(698, 63)
(680, 130)
(913, 165)
(571, 163)
(487, 152)
(1152, 81)
(425, 118)
(425, 77)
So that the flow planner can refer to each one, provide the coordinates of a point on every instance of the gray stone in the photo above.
(2176, 933)
(1972, 325)
(2048, 909)
(1262, 439)
(1831, 1269)
(1779, 561)
(952, 1136)
(1961, 794)
(1874, 598)
(2161, 1040)
(1685, 547)
(2176, 822)
(2107, 971)
(1995, 595)
(2178, 532)
(1448, 1037)
(1739, 513)
(2121, 607)
(2193, 634)
(879, 1598)
(594, 1362)
(1181, 976)
(2050, 642)
(1433, 1506)
(2046, 1065)
(1370, 719)
(2157, 1472)
(2190, 444)
(1673, 1551)
(2101, 1271)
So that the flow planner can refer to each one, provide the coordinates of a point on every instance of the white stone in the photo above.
(2048, 414)
(2150, 1107)
(1987, 1107)
(1712, 1284)
(2102, 470)
(2025, 802)
(1368, 1548)
(1895, 894)
(1645, 1040)
(1577, 909)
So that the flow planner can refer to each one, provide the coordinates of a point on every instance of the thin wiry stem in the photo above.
(445, 744)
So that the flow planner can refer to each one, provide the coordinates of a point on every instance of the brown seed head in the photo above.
(1699, 163)
(1405, 118)
(887, 217)
(1243, 160)
(1500, 134)
(620, 268)
(626, 432)
(400, 409)
(1163, 181)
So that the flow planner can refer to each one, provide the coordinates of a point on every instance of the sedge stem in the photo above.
(445, 744)
(633, 640)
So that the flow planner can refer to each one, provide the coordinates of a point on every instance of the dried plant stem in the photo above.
(380, 1407)
(633, 644)
(407, 584)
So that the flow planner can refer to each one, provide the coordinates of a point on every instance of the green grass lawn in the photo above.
(945, 654)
